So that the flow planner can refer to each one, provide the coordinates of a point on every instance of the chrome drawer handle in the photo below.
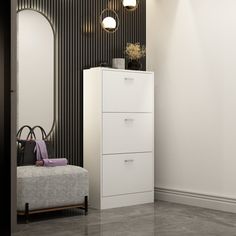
(129, 79)
(130, 160)
(129, 119)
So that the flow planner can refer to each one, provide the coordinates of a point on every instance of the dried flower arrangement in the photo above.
(134, 51)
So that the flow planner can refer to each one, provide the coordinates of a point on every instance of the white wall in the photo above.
(191, 46)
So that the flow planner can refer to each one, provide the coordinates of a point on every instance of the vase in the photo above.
(134, 65)
(118, 63)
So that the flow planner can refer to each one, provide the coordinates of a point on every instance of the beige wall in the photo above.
(191, 46)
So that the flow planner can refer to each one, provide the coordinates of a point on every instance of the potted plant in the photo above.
(134, 52)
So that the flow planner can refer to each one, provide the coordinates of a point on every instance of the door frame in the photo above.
(5, 117)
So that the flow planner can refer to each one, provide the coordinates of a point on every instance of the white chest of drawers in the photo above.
(119, 136)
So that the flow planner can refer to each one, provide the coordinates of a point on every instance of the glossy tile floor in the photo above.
(161, 219)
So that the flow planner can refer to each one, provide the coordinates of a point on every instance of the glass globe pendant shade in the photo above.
(130, 4)
(109, 23)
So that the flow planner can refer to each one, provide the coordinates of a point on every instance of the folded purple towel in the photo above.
(55, 162)
(41, 150)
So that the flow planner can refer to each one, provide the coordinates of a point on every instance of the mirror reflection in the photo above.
(35, 70)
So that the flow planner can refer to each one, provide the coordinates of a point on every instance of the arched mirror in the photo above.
(36, 66)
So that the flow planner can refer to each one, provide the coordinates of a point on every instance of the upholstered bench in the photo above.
(41, 189)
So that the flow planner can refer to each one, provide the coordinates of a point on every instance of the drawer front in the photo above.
(127, 132)
(127, 92)
(127, 173)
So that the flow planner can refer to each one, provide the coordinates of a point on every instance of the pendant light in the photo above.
(130, 5)
(109, 20)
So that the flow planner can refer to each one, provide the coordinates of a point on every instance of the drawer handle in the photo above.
(130, 79)
(129, 119)
(129, 160)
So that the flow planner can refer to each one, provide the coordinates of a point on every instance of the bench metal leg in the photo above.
(26, 213)
(86, 205)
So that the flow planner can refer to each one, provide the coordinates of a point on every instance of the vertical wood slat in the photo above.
(82, 43)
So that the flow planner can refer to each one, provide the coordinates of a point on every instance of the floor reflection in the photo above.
(161, 219)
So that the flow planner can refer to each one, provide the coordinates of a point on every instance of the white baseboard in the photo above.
(196, 199)
(127, 200)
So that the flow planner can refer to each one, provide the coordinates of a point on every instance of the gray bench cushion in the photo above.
(48, 187)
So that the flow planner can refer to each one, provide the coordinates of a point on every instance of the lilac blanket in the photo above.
(55, 162)
(41, 150)
(42, 156)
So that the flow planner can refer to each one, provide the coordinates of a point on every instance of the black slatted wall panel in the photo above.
(81, 43)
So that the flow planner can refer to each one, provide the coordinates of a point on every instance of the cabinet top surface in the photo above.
(118, 70)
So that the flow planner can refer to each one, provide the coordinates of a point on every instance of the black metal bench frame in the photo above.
(27, 212)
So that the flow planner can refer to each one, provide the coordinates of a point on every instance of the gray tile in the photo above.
(159, 219)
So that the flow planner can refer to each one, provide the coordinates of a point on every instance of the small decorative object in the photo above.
(134, 52)
(103, 64)
(118, 63)
(109, 20)
(130, 5)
